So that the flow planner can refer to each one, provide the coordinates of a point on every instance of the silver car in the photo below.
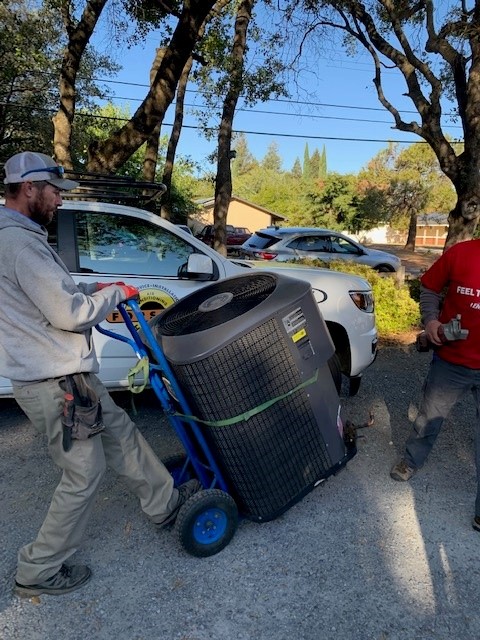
(289, 243)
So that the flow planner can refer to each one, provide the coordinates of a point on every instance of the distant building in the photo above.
(241, 213)
(432, 229)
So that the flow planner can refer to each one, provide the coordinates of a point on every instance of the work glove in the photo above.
(102, 285)
(130, 292)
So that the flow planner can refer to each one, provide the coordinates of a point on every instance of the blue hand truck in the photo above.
(208, 520)
(298, 454)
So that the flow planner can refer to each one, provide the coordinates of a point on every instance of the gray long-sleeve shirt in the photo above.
(430, 304)
(45, 318)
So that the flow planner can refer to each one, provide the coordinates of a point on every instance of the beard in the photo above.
(41, 211)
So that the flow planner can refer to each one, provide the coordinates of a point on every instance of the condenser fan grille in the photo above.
(270, 458)
(216, 305)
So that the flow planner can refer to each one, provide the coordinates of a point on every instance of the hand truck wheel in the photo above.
(207, 522)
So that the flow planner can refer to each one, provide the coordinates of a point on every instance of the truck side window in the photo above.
(125, 245)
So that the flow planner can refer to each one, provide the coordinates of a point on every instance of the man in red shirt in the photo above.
(451, 287)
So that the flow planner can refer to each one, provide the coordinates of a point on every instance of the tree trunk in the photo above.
(151, 151)
(459, 227)
(166, 209)
(78, 39)
(108, 155)
(412, 232)
(223, 182)
(463, 219)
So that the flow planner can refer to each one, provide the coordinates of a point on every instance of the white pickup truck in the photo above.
(105, 242)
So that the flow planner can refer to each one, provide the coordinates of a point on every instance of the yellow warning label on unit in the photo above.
(299, 335)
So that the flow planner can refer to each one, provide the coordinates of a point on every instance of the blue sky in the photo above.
(334, 104)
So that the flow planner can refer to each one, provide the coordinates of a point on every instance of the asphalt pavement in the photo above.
(361, 557)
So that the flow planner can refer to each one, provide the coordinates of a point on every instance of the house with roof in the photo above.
(241, 213)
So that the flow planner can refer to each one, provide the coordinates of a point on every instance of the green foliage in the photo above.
(395, 310)
(260, 75)
(322, 171)
(335, 204)
(396, 185)
(306, 169)
(244, 162)
(30, 42)
(101, 122)
(414, 288)
(297, 169)
(272, 161)
(315, 165)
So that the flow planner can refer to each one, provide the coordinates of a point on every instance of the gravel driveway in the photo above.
(360, 558)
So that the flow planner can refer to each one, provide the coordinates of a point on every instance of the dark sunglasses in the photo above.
(58, 171)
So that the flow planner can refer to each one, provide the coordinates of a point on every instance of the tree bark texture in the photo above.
(78, 38)
(223, 182)
(166, 208)
(151, 151)
(412, 231)
(110, 154)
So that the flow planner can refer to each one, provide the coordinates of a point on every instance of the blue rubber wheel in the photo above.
(207, 522)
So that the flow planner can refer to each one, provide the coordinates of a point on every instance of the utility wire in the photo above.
(288, 115)
(280, 100)
(302, 136)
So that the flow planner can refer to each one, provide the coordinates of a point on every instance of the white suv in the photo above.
(294, 243)
(105, 242)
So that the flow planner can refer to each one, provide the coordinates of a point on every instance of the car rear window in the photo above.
(260, 240)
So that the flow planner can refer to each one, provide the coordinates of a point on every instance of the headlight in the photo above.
(363, 300)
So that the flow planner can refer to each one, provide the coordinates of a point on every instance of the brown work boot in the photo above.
(402, 471)
(65, 580)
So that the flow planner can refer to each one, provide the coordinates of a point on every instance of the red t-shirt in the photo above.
(459, 270)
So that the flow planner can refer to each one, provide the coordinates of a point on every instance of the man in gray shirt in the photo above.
(45, 342)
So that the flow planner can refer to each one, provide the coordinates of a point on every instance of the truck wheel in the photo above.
(207, 522)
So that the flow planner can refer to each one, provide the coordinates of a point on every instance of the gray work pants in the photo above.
(445, 384)
(120, 446)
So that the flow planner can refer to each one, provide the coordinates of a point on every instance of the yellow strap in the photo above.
(142, 367)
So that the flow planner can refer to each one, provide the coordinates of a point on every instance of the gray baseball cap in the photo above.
(30, 166)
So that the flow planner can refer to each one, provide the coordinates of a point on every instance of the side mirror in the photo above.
(197, 267)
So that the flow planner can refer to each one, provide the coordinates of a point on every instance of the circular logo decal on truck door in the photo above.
(152, 302)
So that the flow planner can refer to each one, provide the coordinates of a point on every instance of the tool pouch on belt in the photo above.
(82, 411)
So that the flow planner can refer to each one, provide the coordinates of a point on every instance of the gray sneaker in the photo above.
(65, 580)
(185, 491)
(402, 471)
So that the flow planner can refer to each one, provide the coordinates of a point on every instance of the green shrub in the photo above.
(396, 311)
(414, 288)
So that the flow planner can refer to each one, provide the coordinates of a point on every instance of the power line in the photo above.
(288, 115)
(302, 136)
(280, 100)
